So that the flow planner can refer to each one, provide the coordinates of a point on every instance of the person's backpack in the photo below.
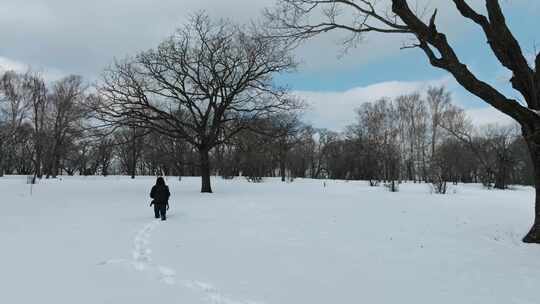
(161, 194)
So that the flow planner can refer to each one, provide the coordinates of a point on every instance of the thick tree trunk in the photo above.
(282, 170)
(282, 158)
(534, 234)
(206, 186)
(500, 179)
(38, 170)
(55, 165)
(132, 172)
(133, 154)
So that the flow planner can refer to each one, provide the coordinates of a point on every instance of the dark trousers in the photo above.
(160, 210)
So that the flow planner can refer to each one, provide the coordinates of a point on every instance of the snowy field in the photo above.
(94, 240)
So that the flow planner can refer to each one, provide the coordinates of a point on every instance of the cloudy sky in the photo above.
(61, 37)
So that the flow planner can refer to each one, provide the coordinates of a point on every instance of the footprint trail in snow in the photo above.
(142, 255)
(212, 294)
(141, 260)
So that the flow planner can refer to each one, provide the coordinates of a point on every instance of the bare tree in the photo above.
(130, 147)
(291, 18)
(412, 117)
(285, 128)
(36, 92)
(256, 153)
(103, 154)
(379, 129)
(64, 115)
(13, 110)
(438, 101)
(497, 142)
(440, 165)
(201, 85)
(164, 155)
(319, 168)
(303, 157)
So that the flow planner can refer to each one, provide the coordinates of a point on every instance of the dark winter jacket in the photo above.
(160, 194)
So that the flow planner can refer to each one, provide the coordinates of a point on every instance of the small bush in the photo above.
(439, 186)
(254, 179)
(393, 186)
(374, 183)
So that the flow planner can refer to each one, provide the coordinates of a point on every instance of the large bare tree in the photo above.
(65, 114)
(26, 96)
(301, 19)
(37, 90)
(13, 109)
(201, 85)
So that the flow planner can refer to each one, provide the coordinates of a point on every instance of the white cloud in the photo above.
(335, 110)
(487, 116)
(84, 36)
(7, 64)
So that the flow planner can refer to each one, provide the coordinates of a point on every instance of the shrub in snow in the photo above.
(393, 186)
(374, 183)
(254, 179)
(439, 172)
(31, 179)
(438, 186)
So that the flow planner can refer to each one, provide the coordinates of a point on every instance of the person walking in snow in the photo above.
(160, 195)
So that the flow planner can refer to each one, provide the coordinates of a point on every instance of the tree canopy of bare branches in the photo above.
(302, 19)
(203, 85)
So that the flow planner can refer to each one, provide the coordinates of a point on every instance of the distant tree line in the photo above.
(420, 137)
(47, 130)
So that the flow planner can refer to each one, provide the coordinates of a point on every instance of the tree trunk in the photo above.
(132, 171)
(534, 149)
(133, 154)
(282, 170)
(38, 171)
(282, 158)
(55, 165)
(1, 160)
(500, 179)
(206, 187)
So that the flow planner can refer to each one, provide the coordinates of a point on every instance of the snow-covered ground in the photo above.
(94, 240)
